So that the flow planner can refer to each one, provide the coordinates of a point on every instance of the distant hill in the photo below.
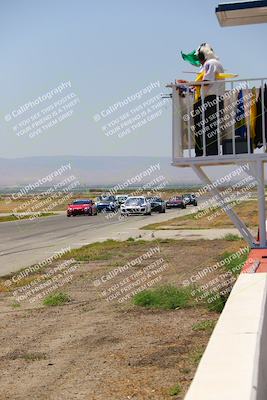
(90, 170)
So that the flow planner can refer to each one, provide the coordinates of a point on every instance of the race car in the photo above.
(107, 204)
(190, 199)
(157, 204)
(136, 205)
(176, 202)
(121, 198)
(81, 207)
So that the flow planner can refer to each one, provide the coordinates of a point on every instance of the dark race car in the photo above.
(81, 207)
(176, 202)
(157, 204)
(190, 199)
(107, 204)
(121, 198)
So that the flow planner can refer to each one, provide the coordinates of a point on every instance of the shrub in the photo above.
(56, 299)
(206, 326)
(175, 390)
(165, 297)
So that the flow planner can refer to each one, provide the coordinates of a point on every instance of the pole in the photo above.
(261, 203)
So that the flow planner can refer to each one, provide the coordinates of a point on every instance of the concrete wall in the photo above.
(234, 365)
(260, 377)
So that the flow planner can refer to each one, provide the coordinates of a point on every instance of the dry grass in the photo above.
(13, 217)
(211, 219)
(107, 344)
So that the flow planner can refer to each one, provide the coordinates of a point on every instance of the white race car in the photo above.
(136, 205)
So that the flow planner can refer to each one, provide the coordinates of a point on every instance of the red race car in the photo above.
(81, 207)
(177, 201)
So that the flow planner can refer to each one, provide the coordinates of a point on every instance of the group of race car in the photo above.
(129, 205)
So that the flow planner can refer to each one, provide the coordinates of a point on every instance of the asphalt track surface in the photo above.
(27, 242)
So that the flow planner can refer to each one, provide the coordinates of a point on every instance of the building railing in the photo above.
(219, 120)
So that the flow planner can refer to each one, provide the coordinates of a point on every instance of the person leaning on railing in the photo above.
(211, 70)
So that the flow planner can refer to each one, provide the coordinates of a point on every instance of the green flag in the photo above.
(192, 58)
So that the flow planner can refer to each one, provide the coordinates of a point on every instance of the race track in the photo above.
(25, 242)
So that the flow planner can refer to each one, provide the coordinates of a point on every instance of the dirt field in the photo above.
(93, 349)
(217, 218)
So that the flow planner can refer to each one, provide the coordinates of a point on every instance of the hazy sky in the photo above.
(108, 50)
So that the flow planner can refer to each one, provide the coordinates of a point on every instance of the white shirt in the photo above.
(211, 68)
